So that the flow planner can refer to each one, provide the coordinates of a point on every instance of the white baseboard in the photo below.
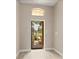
(23, 50)
(53, 49)
(49, 49)
(58, 52)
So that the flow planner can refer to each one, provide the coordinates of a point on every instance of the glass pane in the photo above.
(37, 12)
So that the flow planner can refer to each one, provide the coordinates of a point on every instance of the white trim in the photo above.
(57, 52)
(49, 49)
(53, 49)
(25, 50)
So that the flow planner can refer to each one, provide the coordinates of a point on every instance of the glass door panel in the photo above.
(37, 34)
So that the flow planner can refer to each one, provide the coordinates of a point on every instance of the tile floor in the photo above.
(39, 54)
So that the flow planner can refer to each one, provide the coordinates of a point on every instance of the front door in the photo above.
(37, 34)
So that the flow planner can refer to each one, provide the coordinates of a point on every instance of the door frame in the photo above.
(43, 34)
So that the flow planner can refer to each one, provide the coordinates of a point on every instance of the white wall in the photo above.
(53, 26)
(25, 25)
(17, 27)
(58, 26)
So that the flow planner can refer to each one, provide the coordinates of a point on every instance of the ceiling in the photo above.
(39, 2)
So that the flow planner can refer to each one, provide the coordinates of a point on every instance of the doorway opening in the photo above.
(37, 34)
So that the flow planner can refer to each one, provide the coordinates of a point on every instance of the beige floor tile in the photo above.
(39, 54)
